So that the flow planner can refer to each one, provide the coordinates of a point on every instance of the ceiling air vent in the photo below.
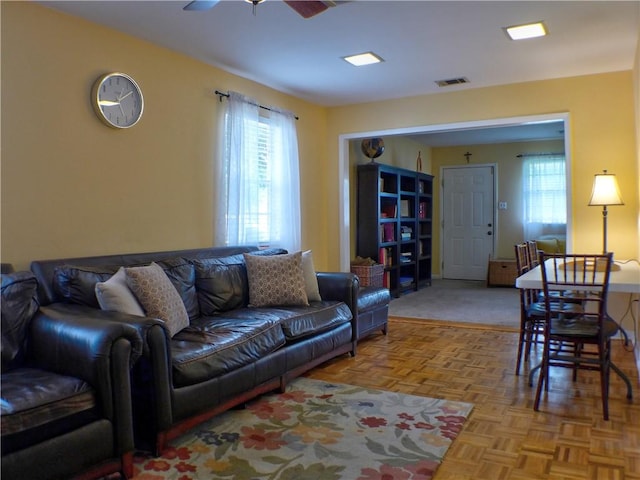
(452, 81)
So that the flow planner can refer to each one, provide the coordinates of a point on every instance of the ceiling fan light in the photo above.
(361, 59)
(529, 30)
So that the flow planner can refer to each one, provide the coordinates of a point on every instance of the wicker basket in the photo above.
(370, 275)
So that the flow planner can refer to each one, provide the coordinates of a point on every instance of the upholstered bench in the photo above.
(373, 310)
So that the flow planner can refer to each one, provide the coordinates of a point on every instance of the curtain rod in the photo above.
(222, 94)
(538, 154)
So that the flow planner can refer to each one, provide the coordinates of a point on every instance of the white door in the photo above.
(468, 221)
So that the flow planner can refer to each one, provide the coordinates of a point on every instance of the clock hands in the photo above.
(125, 96)
(108, 103)
(111, 103)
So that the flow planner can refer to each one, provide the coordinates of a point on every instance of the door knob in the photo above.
(489, 233)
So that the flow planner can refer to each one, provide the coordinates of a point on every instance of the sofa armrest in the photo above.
(75, 342)
(69, 342)
(341, 286)
(152, 375)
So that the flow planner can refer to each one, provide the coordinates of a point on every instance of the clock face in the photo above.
(117, 100)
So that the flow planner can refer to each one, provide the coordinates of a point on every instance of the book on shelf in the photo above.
(406, 233)
(422, 210)
(385, 257)
(404, 208)
(405, 282)
(406, 257)
(388, 232)
(389, 211)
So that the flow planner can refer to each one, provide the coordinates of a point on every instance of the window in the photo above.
(544, 195)
(258, 200)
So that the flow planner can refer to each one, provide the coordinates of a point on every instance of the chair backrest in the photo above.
(532, 248)
(582, 277)
(523, 265)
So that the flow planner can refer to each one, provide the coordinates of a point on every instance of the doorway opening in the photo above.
(346, 222)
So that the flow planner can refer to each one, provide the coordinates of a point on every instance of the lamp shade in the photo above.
(605, 190)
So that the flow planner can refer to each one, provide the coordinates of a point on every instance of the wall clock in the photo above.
(117, 100)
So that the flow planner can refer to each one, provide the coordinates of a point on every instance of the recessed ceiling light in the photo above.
(360, 59)
(530, 30)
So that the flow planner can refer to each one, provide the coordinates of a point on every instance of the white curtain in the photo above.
(544, 195)
(258, 201)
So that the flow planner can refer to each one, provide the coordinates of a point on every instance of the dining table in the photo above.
(624, 280)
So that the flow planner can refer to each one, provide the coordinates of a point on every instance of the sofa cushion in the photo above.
(370, 297)
(300, 322)
(276, 280)
(76, 284)
(212, 346)
(182, 274)
(221, 284)
(158, 296)
(37, 405)
(547, 245)
(115, 295)
(18, 304)
(296, 322)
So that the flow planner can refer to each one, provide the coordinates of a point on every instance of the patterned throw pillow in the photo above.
(276, 280)
(158, 296)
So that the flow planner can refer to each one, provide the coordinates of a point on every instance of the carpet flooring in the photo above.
(316, 430)
(461, 301)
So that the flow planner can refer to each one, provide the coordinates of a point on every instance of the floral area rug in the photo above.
(316, 430)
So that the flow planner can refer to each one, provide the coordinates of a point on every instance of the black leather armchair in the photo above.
(65, 403)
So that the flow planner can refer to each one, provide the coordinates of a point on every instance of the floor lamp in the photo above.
(605, 192)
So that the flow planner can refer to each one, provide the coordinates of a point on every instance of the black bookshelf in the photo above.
(394, 224)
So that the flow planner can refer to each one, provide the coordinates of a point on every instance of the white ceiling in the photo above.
(420, 41)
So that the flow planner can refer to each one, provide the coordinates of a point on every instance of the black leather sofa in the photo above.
(225, 356)
(65, 401)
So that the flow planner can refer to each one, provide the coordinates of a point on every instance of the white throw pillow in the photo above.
(115, 295)
(158, 296)
(310, 279)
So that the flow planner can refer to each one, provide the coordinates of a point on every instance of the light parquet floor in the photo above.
(503, 437)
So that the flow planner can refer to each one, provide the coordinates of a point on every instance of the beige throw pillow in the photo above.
(310, 279)
(158, 296)
(115, 295)
(276, 280)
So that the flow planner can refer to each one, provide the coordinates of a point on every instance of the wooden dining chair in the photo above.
(532, 308)
(532, 312)
(579, 341)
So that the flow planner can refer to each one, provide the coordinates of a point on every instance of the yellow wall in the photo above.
(71, 186)
(636, 89)
(602, 136)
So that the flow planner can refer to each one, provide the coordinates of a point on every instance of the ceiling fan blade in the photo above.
(199, 5)
(309, 8)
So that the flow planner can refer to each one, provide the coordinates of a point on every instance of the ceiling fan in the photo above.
(306, 8)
